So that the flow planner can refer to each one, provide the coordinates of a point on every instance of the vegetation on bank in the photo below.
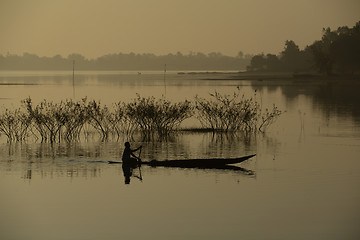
(71, 120)
(337, 52)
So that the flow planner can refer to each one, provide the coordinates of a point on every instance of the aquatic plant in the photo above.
(161, 116)
(76, 118)
(68, 120)
(14, 124)
(99, 118)
(56, 121)
(47, 118)
(120, 120)
(269, 117)
(233, 112)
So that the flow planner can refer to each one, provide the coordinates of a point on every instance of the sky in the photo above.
(97, 27)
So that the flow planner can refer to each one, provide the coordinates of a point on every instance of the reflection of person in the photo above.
(127, 173)
(129, 161)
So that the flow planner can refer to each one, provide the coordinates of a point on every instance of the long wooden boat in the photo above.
(206, 162)
(212, 163)
(198, 163)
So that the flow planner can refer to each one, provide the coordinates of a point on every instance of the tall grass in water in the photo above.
(100, 118)
(70, 121)
(55, 121)
(233, 112)
(15, 124)
(157, 116)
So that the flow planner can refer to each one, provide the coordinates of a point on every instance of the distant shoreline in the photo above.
(269, 76)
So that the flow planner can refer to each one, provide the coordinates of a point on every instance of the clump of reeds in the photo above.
(76, 118)
(14, 124)
(233, 112)
(121, 122)
(55, 121)
(100, 118)
(157, 115)
(47, 118)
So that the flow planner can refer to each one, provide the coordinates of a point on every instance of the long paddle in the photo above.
(140, 165)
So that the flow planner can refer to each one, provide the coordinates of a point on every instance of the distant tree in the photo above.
(290, 56)
(290, 59)
(322, 57)
(321, 51)
(273, 63)
(240, 55)
(214, 55)
(258, 63)
(338, 50)
(76, 57)
(345, 50)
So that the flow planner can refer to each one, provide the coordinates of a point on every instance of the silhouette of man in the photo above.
(128, 156)
(129, 161)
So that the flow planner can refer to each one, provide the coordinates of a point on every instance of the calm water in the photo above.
(305, 186)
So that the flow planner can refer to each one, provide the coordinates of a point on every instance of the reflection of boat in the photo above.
(215, 167)
(199, 163)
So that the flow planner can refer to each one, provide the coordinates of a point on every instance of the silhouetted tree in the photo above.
(290, 56)
(338, 50)
(273, 63)
(257, 63)
(322, 57)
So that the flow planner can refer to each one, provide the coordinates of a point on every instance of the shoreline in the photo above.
(277, 76)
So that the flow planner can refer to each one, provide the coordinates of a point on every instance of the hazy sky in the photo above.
(97, 27)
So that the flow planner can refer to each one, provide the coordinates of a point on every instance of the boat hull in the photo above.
(205, 163)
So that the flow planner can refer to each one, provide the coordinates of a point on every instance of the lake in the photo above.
(306, 170)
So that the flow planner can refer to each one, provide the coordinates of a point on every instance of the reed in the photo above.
(157, 116)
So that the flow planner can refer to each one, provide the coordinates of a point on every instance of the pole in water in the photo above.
(74, 79)
(165, 78)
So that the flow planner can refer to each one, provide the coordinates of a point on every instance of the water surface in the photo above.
(305, 182)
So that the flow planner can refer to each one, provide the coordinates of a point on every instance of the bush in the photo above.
(161, 116)
(14, 124)
(233, 112)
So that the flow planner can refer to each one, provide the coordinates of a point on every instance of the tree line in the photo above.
(338, 51)
(127, 61)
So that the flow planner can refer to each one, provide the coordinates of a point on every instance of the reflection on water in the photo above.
(86, 159)
(306, 167)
